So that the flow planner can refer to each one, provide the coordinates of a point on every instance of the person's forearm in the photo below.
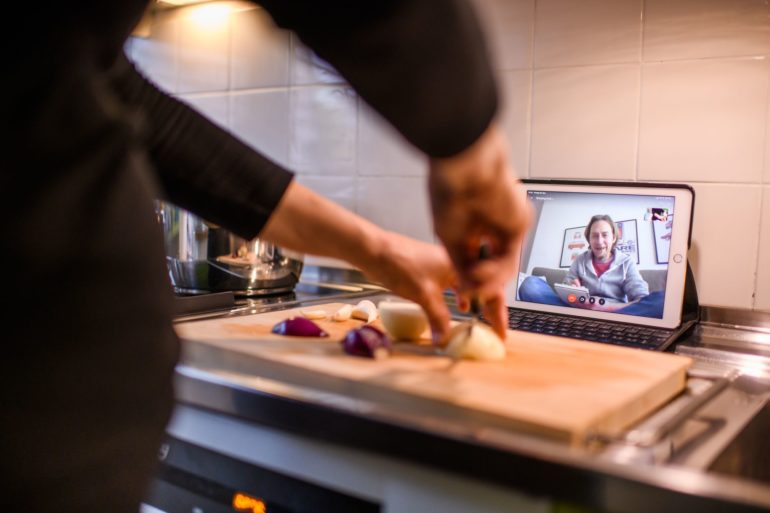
(307, 222)
(416, 270)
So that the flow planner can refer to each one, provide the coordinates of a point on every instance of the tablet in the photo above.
(650, 225)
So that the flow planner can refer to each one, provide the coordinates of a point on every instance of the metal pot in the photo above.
(202, 257)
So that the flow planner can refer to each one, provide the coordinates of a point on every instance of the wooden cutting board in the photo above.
(552, 386)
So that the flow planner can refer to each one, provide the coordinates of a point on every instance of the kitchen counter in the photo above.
(708, 450)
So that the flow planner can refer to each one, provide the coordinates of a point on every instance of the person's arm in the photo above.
(573, 277)
(308, 222)
(424, 66)
(634, 285)
(631, 282)
(208, 171)
(201, 167)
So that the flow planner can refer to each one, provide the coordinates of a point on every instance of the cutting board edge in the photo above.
(653, 399)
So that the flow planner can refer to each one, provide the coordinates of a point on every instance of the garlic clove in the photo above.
(343, 314)
(365, 310)
(313, 314)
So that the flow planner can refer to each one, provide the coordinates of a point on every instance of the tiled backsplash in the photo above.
(613, 89)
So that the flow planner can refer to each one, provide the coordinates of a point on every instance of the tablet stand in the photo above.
(690, 305)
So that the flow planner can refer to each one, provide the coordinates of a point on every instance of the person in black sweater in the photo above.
(88, 144)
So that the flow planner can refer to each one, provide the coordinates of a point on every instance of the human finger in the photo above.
(438, 315)
(496, 312)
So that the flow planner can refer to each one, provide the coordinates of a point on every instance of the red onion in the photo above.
(299, 327)
(366, 341)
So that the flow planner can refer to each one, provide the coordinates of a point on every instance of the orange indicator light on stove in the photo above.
(244, 502)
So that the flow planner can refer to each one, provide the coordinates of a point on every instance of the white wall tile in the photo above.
(214, 106)
(724, 243)
(398, 204)
(261, 119)
(762, 295)
(307, 68)
(584, 122)
(766, 175)
(156, 56)
(259, 51)
(690, 29)
(382, 151)
(339, 189)
(204, 42)
(323, 130)
(587, 32)
(508, 26)
(703, 120)
(516, 94)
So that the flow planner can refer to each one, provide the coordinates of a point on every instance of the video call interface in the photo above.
(602, 252)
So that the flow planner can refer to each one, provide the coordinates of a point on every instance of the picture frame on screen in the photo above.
(628, 238)
(574, 243)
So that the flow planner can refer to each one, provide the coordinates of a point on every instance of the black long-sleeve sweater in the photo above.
(86, 146)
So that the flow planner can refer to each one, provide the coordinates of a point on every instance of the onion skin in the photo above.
(366, 341)
(299, 327)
